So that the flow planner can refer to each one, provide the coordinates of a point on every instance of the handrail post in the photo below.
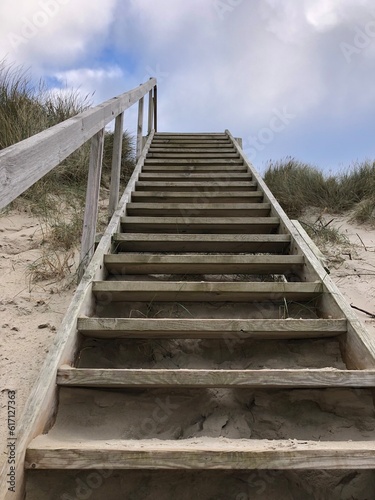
(140, 127)
(116, 164)
(150, 112)
(156, 108)
(92, 202)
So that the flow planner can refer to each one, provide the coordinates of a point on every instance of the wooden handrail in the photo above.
(24, 163)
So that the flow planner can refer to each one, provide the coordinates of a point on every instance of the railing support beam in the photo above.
(156, 108)
(116, 165)
(92, 202)
(150, 112)
(140, 127)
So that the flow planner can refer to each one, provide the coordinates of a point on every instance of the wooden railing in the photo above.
(23, 164)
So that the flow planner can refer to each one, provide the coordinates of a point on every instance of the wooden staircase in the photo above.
(210, 339)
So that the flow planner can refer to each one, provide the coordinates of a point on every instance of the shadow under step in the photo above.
(198, 187)
(196, 197)
(199, 209)
(199, 453)
(205, 225)
(165, 175)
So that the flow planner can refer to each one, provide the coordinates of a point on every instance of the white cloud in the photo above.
(52, 32)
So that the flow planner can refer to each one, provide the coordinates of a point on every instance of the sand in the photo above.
(30, 314)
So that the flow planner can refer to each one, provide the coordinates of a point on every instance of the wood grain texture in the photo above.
(198, 209)
(197, 197)
(234, 243)
(204, 225)
(129, 263)
(199, 186)
(116, 165)
(44, 151)
(42, 403)
(183, 378)
(182, 176)
(92, 202)
(230, 329)
(198, 453)
(359, 346)
(166, 291)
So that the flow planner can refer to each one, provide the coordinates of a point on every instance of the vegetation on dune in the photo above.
(297, 185)
(58, 198)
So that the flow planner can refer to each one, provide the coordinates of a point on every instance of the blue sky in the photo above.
(291, 77)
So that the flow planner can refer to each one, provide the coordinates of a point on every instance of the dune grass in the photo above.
(298, 185)
(58, 198)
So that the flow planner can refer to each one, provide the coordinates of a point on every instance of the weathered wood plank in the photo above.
(167, 291)
(190, 155)
(116, 165)
(160, 150)
(229, 329)
(41, 406)
(205, 225)
(92, 202)
(234, 243)
(210, 187)
(164, 145)
(193, 161)
(214, 168)
(200, 453)
(198, 209)
(183, 378)
(44, 151)
(140, 128)
(358, 347)
(197, 197)
(201, 264)
(194, 177)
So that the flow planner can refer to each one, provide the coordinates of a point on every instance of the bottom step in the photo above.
(198, 453)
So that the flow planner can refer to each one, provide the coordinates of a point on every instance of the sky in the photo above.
(292, 78)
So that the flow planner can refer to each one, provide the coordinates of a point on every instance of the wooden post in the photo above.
(156, 108)
(116, 165)
(150, 112)
(92, 202)
(140, 127)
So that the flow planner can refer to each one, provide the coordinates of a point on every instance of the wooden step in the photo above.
(194, 177)
(202, 169)
(194, 162)
(209, 187)
(191, 155)
(198, 209)
(160, 150)
(233, 243)
(199, 453)
(205, 225)
(188, 378)
(127, 263)
(196, 197)
(196, 144)
(191, 134)
(231, 329)
(171, 291)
